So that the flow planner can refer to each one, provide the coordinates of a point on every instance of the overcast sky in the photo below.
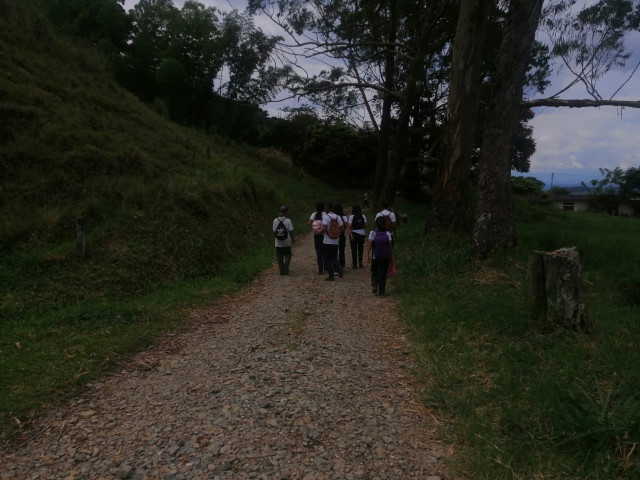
(572, 143)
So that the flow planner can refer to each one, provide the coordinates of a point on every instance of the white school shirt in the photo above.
(372, 237)
(325, 223)
(345, 220)
(313, 216)
(287, 223)
(387, 213)
(360, 230)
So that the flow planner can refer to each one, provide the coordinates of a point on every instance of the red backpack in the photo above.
(333, 231)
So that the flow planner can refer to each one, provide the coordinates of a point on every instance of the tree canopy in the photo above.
(191, 58)
(526, 185)
(433, 92)
(618, 182)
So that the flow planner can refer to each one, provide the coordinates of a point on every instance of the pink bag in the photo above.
(391, 271)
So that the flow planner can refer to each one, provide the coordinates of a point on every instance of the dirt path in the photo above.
(295, 378)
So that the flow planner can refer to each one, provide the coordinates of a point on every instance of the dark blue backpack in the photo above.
(358, 222)
(381, 245)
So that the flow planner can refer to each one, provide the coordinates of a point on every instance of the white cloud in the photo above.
(587, 138)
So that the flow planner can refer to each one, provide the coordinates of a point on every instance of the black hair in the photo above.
(329, 206)
(381, 223)
(356, 209)
(319, 210)
(337, 208)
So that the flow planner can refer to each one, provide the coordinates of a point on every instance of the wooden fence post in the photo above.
(557, 289)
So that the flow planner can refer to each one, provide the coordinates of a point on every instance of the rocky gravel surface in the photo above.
(293, 378)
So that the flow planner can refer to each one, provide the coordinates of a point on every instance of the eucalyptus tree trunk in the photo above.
(450, 205)
(395, 158)
(383, 152)
(385, 120)
(494, 227)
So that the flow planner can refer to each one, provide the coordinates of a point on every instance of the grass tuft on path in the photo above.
(526, 401)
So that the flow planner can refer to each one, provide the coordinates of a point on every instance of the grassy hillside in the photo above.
(172, 216)
(528, 401)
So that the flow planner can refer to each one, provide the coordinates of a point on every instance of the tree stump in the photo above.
(557, 288)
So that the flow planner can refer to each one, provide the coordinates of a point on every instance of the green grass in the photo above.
(175, 218)
(49, 356)
(527, 401)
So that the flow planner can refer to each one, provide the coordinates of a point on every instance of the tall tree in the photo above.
(449, 206)
(248, 50)
(196, 44)
(392, 54)
(494, 226)
(154, 24)
(589, 44)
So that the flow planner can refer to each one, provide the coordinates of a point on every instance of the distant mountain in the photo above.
(579, 190)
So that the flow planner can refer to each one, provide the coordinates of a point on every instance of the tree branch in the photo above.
(559, 102)
(335, 86)
(372, 117)
(625, 82)
(334, 45)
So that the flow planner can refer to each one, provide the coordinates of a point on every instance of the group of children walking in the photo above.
(331, 228)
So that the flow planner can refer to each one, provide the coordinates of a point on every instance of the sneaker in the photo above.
(330, 279)
(341, 273)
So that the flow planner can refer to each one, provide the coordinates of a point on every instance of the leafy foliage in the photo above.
(556, 190)
(339, 154)
(617, 182)
(159, 51)
(524, 145)
(590, 42)
(526, 185)
(614, 185)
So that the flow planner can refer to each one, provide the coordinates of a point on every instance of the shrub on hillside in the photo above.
(276, 159)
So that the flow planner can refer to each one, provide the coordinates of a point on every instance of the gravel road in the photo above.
(293, 378)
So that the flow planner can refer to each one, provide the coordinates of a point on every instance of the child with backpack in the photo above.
(390, 219)
(379, 254)
(332, 228)
(357, 225)
(315, 220)
(342, 244)
(282, 229)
